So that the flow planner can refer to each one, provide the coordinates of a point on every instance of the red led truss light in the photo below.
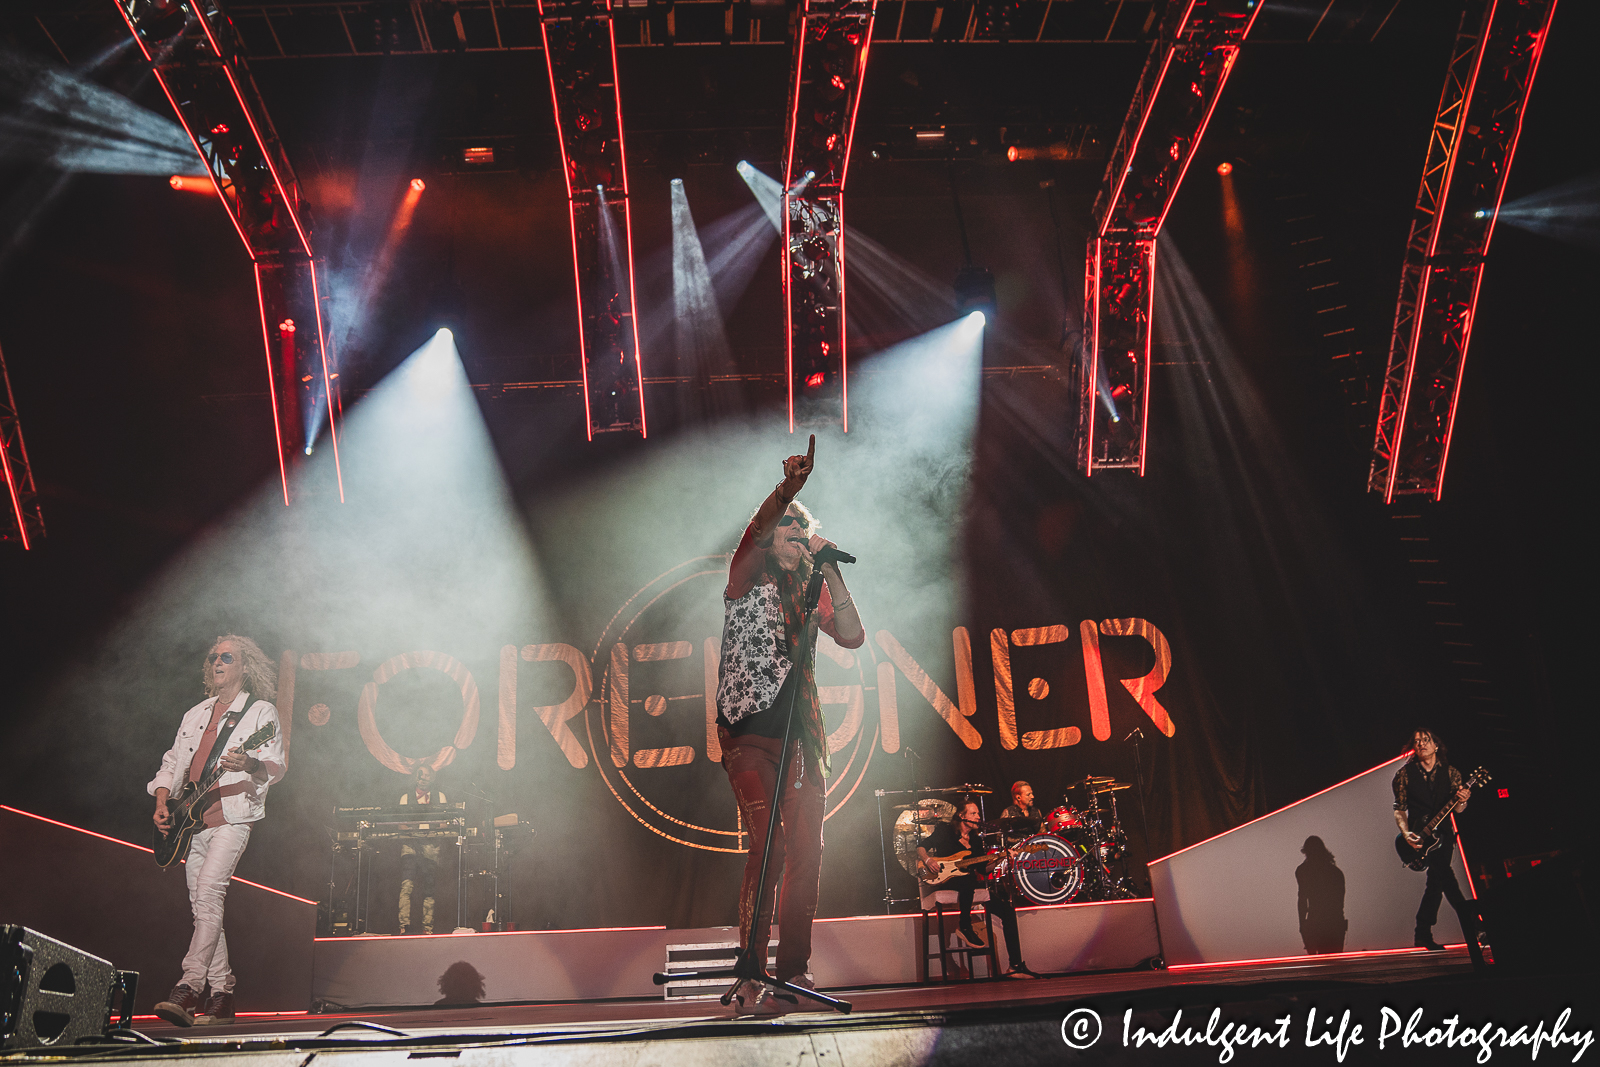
(199, 64)
(1470, 151)
(833, 39)
(1177, 93)
(580, 49)
(25, 520)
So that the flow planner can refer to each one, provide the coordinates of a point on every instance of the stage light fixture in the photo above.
(418, 184)
(1224, 168)
(192, 183)
(478, 156)
(1011, 153)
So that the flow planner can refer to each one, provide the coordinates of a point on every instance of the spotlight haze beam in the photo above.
(702, 341)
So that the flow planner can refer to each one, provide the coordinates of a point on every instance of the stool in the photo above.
(936, 901)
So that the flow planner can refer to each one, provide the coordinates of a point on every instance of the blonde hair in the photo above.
(260, 676)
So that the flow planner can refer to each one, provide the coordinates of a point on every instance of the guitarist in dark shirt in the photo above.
(960, 835)
(1423, 786)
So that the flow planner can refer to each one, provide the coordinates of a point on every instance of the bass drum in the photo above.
(1047, 869)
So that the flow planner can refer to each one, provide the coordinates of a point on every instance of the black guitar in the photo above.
(1416, 856)
(188, 806)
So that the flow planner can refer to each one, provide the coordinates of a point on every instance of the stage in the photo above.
(1072, 1018)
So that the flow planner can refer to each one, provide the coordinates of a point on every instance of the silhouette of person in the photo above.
(1321, 903)
(461, 984)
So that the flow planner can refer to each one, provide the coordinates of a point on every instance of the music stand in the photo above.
(750, 962)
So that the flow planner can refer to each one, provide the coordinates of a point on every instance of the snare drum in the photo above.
(1062, 820)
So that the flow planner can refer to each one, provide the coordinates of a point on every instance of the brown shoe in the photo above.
(218, 1008)
(178, 1008)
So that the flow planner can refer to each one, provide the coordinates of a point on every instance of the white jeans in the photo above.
(213, 854)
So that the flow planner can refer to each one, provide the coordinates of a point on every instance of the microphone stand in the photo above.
(750, 963)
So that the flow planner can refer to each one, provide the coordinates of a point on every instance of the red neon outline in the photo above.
(627, 220)
(1386, 763)
(1421, 312)
(16, 497)
(201, 152)
(366, 938)
(788, 311)
(327, 383)
(794, 98)
(844, 330)
(1194, 146)
(855, 107)
(1369, 953)
(1149, 326)
(272, 385)
(141, 848)
(1494, 216)
(1094, 356)
(1144, 119)
(227, 68)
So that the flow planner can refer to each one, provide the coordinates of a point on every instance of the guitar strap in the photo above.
(219, 744)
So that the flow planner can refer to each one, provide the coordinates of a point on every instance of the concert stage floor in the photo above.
(1005, 1021)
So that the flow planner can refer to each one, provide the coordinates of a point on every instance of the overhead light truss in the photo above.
(1178, 89)
(196, 56)
(1470, 149)
(827, 68)
(24, 521)
(580, 51)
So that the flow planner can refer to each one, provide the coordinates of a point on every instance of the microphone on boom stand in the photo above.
(820, 559)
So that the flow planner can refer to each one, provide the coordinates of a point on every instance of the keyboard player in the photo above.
(419, 858)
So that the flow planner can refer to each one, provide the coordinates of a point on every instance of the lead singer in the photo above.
(761, 635)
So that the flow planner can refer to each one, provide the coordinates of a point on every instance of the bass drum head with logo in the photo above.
(915, 824)
(1047, 869)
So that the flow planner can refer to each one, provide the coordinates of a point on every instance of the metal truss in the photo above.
(827, 70)
(197, 58)
(1470, 148)
(580, 50)
(24, 519)
(1178, 89)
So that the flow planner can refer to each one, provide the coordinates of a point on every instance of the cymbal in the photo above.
(1115, 787)
(1091, 780)
(969, 787)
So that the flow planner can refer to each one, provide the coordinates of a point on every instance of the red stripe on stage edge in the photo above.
(141, 848)
(362, 938)
(1369, 954)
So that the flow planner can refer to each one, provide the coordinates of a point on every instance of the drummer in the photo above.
(960, 834)
(1022, 804)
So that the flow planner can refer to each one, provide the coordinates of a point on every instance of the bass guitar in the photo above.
(1416, 856)
(187, 807)
(956, 864)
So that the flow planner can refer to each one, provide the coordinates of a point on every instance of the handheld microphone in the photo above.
(831, 555)
(1136, 733)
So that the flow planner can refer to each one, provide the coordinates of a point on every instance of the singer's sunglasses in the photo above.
(788, 520)
(226, 657)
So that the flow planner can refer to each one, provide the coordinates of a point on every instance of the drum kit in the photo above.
(1063, 857)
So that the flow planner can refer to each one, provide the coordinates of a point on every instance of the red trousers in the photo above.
(796, 867)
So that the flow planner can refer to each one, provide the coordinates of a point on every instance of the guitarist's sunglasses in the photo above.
(226, 657)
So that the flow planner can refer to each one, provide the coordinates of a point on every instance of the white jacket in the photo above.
(249, 804)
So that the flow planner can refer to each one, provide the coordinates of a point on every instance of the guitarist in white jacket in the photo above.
(240, 683)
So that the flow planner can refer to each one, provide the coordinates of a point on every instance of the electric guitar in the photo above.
(956, 864)
(1416, 856)
(188, 806)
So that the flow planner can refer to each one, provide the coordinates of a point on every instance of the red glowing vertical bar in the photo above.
(1094, 357)
(1194, 146)
(572, 216)
(1149, 309)
(855, 106)
(627, 224)
(16, 497)
(327, 381)
(1488, 235)
(788, 311)
(1462, 107)
(1144, 119)
(794, 104)
(272, 385)
(844, 330)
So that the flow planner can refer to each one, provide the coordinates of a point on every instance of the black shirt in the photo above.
(1422, 794)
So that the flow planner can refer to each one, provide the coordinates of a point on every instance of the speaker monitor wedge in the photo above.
(50, 993)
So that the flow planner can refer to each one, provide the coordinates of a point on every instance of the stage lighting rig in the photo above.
(1470, 149)
(197, 58)
(580, 49)
(24, 522)
(827, 70)
(1183, 76)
